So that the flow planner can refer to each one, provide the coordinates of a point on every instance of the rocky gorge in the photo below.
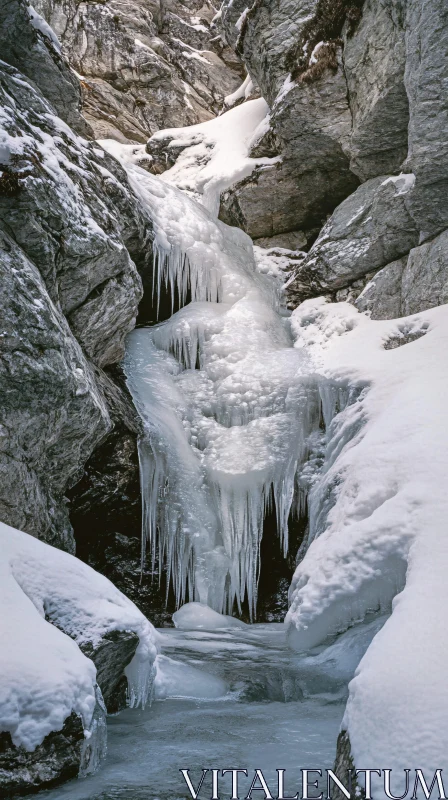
(341, 185)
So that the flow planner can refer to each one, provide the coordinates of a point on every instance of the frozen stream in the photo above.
(278, 710)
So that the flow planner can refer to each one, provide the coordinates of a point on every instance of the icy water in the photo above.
(278, 710)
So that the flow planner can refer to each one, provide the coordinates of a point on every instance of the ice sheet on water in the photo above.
(177, 679)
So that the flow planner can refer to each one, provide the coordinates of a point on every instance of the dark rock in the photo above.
(52, 412)
(115, 651)
(381, 297)
(425, 276)
(54, 761)
(370, 229)
(374, 65)
(344, 768)
(426, 81)
(24, 46)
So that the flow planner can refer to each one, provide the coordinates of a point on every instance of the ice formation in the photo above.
(226, 400)
(378, 523)
(44, 676)
(215, 154)
(198, 616)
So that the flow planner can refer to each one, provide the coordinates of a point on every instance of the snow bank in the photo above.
(378, 523)
(44, 676)
(215, 154)
(198, 616)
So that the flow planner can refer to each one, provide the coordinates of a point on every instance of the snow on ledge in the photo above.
(383, 541)
(215, 153)
(44, 676)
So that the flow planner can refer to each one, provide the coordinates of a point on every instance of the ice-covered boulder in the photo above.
(198, 616)
(53, 608)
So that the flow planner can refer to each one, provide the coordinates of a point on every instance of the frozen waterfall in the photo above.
(226, 401)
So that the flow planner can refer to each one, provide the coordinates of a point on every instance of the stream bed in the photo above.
(278, 710)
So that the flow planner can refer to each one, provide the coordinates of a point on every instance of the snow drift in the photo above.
(378, 523)
(51, 603)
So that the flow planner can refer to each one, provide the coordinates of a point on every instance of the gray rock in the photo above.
(411, 284)
(24, 46)
(310, 125)
(61, 217)
(370, 229)
(425, 276)
(426, 80)
(265, 37)
(344, 768)
(381, 297)
(56, 760)
(142, 63)
(294, 240)
(374, 64)
(52, 411)
(115, 651)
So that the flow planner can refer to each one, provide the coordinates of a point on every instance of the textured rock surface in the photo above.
(368, 230)
(144, 65)
(69, 225)
(344, 769)
(309, 126)
(56, 760)
(52, 412)
(374, 65)
(426, 81)
(36, 56)
(381, 297)
(115, 651)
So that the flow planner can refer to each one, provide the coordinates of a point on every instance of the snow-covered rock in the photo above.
(198, 616)
(52, 606)
(208, 158)
(378, 522)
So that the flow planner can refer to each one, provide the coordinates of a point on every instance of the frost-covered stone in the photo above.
(381, 298)
(368, 230)
(53, 607)
(374, 65)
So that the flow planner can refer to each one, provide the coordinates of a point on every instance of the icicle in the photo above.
(94, 746)
(226, 403)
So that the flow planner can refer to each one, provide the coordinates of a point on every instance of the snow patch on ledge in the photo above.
(215, 154)
(44, 676)
(378, 519)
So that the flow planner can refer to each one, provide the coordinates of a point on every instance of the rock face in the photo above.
(56, 760)
(144, 66)
(374, 66)
(368, 230)
(426, 85)
(69, 226)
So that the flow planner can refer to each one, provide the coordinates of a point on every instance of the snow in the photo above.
(287, 85)
(215, 153)
(242, 93)
(51, 603)
(41, 25)
(404, 182)
(198, 616)
(378, 515)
